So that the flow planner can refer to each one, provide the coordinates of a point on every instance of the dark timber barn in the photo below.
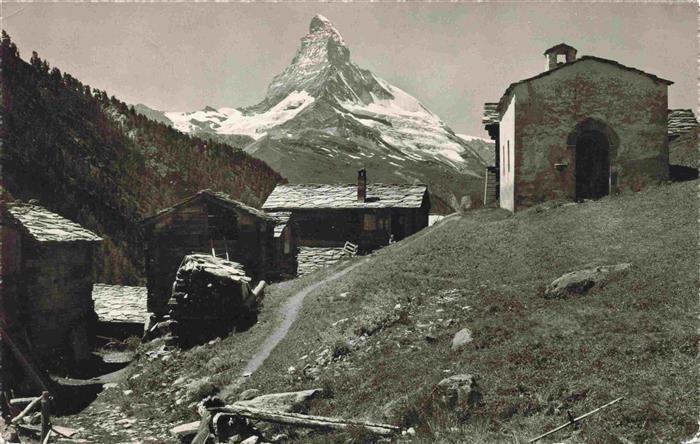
(582, 129)
(366, 215)
(46, 286)
(285, 245)
(208, 222)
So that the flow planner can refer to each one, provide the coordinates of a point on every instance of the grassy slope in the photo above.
(534, 358)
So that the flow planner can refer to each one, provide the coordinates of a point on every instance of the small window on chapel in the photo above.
(508, 154)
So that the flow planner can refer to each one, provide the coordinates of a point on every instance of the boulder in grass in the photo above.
(580, 281)
(461, 338)
(458, 390)
(185, 432)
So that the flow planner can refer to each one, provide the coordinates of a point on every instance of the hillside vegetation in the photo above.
(93, 159)
(378, 339)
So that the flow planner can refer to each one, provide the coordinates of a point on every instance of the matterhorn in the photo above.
(324, 117)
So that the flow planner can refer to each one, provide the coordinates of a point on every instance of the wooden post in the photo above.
(45, 416)
(575, 420)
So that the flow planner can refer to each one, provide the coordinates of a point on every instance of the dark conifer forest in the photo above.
(91, 158)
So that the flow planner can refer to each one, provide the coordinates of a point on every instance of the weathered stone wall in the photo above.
(57, 307)
(10, 272)
(550, 107)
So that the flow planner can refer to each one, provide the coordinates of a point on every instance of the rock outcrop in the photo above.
(580, 281)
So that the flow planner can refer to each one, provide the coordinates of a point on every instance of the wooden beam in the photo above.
(307, 421)
(21, 401)
(32, 405)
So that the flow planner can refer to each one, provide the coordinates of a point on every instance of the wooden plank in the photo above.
(32, 405)
(308, 421)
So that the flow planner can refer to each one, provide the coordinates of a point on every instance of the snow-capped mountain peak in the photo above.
(324, 109)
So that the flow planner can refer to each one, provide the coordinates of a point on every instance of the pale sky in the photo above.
(450, 56)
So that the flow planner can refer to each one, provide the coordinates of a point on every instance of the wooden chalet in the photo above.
(366, 215)
(208, 222)
(46, 285)
(285, 243)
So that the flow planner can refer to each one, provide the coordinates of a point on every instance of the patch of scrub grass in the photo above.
(533, 359)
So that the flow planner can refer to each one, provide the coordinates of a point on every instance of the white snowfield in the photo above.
(415, 130)
(469, 138)
(233, 121)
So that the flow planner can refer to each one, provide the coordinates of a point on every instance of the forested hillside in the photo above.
(93, 159)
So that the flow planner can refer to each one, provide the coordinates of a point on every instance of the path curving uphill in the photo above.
(289, 313)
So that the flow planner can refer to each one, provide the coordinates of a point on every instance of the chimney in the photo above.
(558, 55)
(362, 185)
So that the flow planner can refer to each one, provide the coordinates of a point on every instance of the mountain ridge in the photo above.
(323, 109)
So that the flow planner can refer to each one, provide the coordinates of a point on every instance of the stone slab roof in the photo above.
(559, 47)
(681, 121)
(491, 115)
(281, 220)
(118, 303)
(45, 226)
(215, 266)
(317, 196)
(215, 197)
(502, 102)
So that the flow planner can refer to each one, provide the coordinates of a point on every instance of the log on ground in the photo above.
(307, 421)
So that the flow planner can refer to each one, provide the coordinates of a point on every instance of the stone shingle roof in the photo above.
(281, 220)
(45, 226)
(681, 121)
(216, 197)
(215, 266)
(118, 303)
(490, 115)
(559, 47)
(502, 103)
(316, 196)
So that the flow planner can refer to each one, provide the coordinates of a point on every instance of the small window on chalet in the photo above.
(561, 58)
(369, 222)
(384, 223)
(287, 245)
(223, 223)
